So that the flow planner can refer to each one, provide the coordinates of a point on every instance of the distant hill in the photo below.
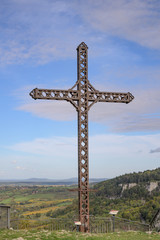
(136, 196)
(46, 181)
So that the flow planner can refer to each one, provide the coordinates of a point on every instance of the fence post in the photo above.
(113, 222)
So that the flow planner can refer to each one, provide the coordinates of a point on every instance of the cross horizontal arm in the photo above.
(97, 96)
(55, 94)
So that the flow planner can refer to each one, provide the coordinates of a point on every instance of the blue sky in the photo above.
(38, 43)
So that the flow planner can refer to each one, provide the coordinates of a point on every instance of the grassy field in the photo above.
(35, 201)
(46, 235)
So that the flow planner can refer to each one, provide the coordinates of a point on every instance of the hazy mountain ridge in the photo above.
(46, 181)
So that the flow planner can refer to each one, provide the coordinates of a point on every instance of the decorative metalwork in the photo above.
(82, 96)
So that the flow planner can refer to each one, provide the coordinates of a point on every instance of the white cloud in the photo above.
(58, 155)
(20, 168)
(35, 30)
(135, 20)
(59, 111)
(14, 161)
(44, 30)
(57, 146)
(142, 114)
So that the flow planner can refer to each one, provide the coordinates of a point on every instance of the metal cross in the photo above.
(82, 96)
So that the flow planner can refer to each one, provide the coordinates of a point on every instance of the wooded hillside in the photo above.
(136, 196)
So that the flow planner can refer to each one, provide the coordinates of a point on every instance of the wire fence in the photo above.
(97, 224)
(115, 224)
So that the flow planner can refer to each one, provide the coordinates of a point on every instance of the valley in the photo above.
(136, 196)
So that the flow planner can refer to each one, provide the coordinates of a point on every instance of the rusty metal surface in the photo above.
(82, 96)
(73, 95)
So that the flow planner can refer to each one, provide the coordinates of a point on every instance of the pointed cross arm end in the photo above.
(33, 93)
(82, 44)
(130, 97)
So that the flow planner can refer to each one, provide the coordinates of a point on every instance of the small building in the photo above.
(4, 216)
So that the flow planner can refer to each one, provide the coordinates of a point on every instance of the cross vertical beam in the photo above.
(83, 175)
(82, 99)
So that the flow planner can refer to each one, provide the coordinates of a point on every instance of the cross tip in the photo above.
(32, 93)
(82, 44)
(131, 97)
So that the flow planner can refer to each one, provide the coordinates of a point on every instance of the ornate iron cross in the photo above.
(82, 96)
